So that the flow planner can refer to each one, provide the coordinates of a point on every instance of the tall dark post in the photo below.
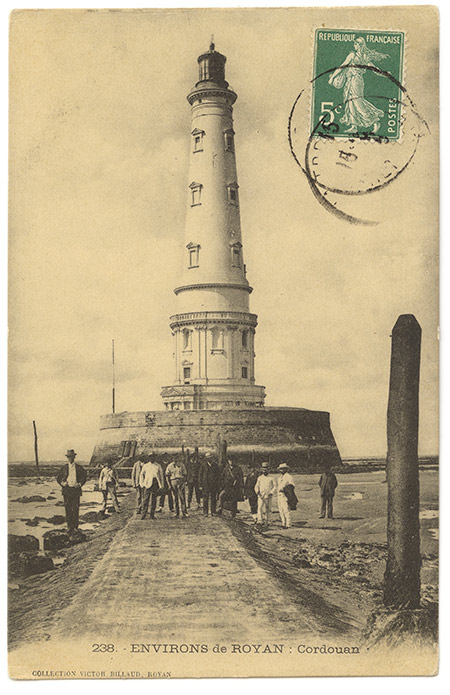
(402, 576)
(113, 381)
(36, 447)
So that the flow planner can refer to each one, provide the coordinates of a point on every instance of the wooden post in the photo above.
(402, 576)
(253, 458)
(113, 381)
(36, 447)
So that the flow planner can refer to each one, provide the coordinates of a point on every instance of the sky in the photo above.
(99, 141)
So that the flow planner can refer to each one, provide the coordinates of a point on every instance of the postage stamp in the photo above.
(350, 96)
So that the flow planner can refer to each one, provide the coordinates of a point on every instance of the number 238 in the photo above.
(103, 648)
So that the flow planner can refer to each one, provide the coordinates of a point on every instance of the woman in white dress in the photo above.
(358, 112)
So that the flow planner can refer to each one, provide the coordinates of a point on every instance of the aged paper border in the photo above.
(348, 684)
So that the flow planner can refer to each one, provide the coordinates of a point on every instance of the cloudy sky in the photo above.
(99, 152)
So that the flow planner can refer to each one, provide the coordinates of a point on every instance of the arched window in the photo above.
(187, 339)
(244, 339)
(217, 339)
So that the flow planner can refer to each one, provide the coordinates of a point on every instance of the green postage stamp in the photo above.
(356, 83)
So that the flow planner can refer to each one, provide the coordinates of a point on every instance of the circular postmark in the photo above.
(343, 162)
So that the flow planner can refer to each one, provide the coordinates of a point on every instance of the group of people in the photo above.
(216, 488)
(180, 479)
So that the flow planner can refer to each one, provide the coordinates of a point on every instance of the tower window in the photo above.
(244, 371)
(187, 339)
(245, 339)
(197, 136)
(236, 254)
(196, 193)
(233, 193)
(194, 254)
(186, 374)
(217, 341)
(229, 140)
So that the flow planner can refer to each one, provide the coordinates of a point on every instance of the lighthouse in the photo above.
(214, 393)
(213, 329)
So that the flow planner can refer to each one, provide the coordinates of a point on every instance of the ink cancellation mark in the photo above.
(364, 143)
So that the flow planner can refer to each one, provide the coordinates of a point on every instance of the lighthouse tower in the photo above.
(213, 391)
(213, 331)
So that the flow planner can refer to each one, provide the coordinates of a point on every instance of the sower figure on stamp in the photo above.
(358, 112)
(232, 486)
(287, 499)
(135, 481)
(250, 494)
(193, 469)
(209, 482)
(264, 488)
(108, 483)
(71, 477)
(151, 481)
(176, 475)
(328, 484)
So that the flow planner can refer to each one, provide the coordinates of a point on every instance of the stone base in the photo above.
(300, 437)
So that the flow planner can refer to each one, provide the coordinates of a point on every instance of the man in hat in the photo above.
(71, 477)
(328, 484)
(107, 484)
(193, 469)
(176, 475)
(232, 486)
(286, 495)
(166, 491)
(209, 483)
(264, 488)
(135, 481)
(249, 491)
(151, 481)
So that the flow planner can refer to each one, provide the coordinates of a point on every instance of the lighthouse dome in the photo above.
(211, 67)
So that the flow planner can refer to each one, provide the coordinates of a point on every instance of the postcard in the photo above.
(223, 352)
